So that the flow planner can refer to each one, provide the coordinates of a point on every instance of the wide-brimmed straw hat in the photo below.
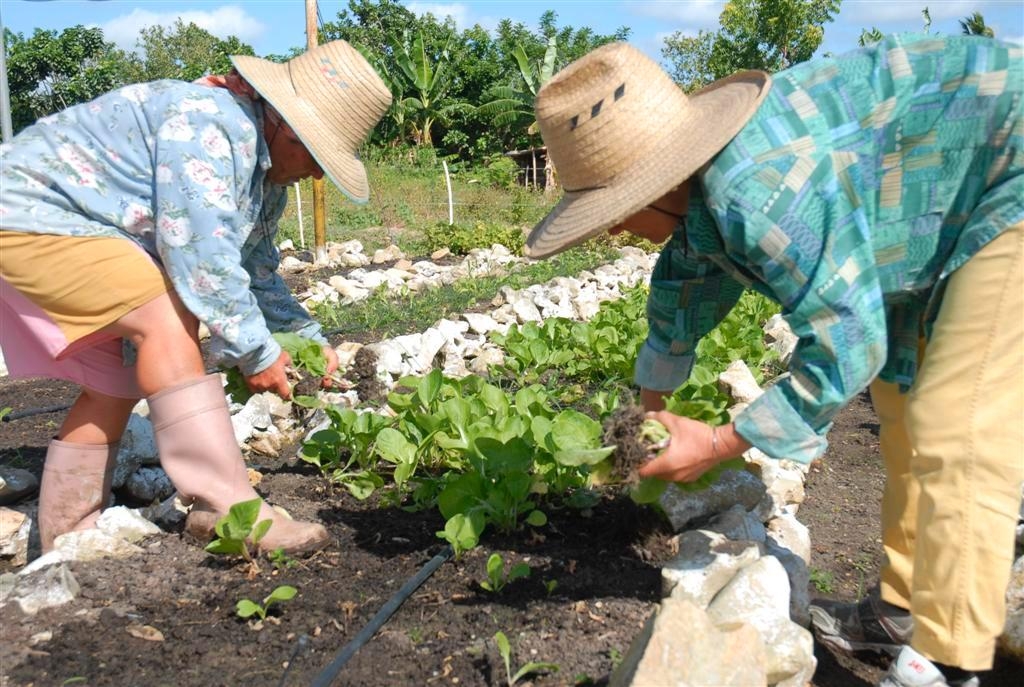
(622, 134)
(332, 98)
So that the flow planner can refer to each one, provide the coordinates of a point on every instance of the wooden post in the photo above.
(319, 209)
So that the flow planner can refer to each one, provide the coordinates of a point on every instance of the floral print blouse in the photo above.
(180, 169)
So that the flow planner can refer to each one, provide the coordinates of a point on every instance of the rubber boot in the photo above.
(74, 489)
(199, 453)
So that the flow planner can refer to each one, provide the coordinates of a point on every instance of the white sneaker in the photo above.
(911, 669)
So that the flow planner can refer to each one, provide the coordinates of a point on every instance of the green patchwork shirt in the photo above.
(859, 186)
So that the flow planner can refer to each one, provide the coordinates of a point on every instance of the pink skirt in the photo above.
(34, 346)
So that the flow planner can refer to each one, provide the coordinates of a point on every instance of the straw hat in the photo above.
(622, 134)
(332, 98)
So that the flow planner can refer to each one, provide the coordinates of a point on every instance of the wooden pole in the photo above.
(319, 208)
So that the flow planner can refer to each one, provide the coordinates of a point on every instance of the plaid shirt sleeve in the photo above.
(689, 297)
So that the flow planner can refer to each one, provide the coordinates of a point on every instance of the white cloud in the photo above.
(222, 22)
(457, 11)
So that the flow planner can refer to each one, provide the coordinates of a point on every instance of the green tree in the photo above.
(50, 72)
(511, 105)
(974, 25)
(185, 52)
(426, 82)
(753, 34)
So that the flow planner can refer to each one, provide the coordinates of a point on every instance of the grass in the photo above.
(407, 198)
(823, 581)
(388, 313)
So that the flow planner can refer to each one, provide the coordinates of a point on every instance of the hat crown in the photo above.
(332, 98)
(336, 71)
(604, 113)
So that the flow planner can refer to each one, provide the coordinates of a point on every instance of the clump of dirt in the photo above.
(364, 372)
(622, 429)
(307, 385)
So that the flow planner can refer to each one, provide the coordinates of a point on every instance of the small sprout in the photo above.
(280, 560)
(550, 586)
(247, 608)
(238, 533)
(506, 656)
(496, 578)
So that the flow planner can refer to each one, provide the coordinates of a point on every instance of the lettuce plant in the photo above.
(246, 608)
(497, 578)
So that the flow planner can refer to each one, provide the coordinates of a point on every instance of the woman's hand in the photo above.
(273, 378)
(332, 366)
(688, 455)
(694, 448)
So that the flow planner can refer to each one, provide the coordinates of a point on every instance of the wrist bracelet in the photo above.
(714, 443)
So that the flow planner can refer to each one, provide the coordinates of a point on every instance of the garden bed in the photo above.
(604, 568)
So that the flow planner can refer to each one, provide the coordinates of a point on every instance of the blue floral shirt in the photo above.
(180, 169)
(859, 186)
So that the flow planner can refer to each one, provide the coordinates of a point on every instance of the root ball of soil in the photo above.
(622, 428)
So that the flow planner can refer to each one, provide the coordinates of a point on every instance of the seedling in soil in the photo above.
(637, 439)
(506, 655)
(280, 560)
(823, 581)
(238, 533)
(550, 586)
(247, 608)
(496, 577)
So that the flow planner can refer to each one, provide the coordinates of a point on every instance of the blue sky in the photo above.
(273, 26)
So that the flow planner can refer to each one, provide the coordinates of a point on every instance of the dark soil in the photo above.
(622, 430)
(595, 579)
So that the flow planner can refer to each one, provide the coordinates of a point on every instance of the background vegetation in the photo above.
(467, 94)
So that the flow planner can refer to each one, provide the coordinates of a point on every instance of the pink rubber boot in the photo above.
(74, 489)
(199, 453)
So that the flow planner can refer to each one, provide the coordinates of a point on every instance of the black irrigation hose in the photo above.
(326, 677)
(29, 412)
(300, 648)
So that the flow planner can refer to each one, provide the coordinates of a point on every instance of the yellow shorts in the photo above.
(83, 283)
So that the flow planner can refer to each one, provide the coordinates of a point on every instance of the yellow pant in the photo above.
(954, 456)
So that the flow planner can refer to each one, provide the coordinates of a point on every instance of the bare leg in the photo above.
(166, 335)
(96, 418)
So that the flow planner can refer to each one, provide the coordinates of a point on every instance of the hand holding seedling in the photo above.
(694, 449)
(273, 378)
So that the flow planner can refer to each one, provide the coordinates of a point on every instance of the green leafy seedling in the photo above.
(238, 533)
(246, 608)
(496, 577)
(280, 560)
(307, 355)
(506, 655)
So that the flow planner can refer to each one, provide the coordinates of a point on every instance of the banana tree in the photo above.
(510, 105)
(427, 82)
(393, 128)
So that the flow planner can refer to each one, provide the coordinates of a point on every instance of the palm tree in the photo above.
(974, 25)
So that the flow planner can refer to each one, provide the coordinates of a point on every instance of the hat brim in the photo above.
(683, 149)
(274, 84)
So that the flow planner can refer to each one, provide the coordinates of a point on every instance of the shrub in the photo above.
(462, 238)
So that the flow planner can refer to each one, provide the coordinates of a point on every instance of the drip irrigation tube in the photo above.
(29, 412)
(327, 675)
